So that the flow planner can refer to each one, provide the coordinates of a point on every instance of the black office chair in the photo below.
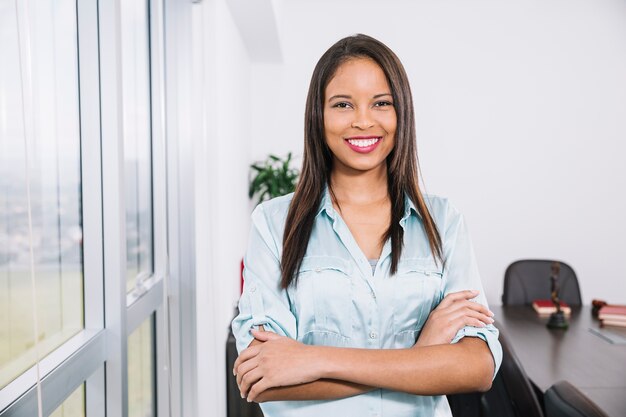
(529, 280)
(511, 394)
(564, 400)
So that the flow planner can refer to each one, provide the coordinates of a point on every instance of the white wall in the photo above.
(521, 110)
(222, 81)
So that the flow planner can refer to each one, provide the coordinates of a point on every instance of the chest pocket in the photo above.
(416, 293)
(322, 301)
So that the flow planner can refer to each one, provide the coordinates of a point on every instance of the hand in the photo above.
(279, 361)
(453, 313)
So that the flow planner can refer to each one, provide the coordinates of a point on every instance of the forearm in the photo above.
(275, 361)
(432, 370)
(323, 389)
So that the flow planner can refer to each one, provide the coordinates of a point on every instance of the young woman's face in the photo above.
(359, 116)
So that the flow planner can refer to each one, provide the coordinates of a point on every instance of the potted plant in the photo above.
(272, 178)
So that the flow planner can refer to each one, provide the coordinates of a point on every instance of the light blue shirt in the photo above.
(339, 301)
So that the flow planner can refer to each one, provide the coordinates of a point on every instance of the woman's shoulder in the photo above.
(441, 209)
(437, 205)
(276, 205)
(273, 212)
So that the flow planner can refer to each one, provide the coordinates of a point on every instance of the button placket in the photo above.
(373, 335)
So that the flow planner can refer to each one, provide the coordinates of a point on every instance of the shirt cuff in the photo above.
(243, 325)
(490, 335)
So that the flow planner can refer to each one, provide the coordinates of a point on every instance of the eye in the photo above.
(341, 105)
(383, 103)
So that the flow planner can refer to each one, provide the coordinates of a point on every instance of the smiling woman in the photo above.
(373, 300)
(363, 121)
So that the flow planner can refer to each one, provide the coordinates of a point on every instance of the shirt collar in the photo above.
(326, 204)
(409, 207)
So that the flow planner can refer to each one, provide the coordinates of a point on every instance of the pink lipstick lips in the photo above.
(363, 144)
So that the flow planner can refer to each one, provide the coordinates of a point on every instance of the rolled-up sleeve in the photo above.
(263, 301)
(461, 273)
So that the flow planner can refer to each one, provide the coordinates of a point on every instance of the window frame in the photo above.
(97, 355)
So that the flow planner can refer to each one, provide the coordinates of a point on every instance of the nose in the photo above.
(362, 120)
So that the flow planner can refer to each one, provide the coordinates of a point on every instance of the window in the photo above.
(137, 141)
(136, 83)
(141, 382)
(39, 132)
(73, 406)
(61, 98)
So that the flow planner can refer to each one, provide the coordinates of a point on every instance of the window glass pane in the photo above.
(73, 406)
(137, 139)
(55, 187)
(141, 375)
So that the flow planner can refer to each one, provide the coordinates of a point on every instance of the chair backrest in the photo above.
(564, 400)
(511, 393)
(528, 280)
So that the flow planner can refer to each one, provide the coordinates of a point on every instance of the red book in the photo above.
(546, 307)
(616, 323)
(611, 312)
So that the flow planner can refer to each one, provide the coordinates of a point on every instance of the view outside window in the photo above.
(73, 406)
(138, 179)
(141, 364)
(137, 140)
(55, 183)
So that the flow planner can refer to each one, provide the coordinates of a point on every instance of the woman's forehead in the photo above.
(358, 75)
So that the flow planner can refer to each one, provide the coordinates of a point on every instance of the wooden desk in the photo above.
(592, 364)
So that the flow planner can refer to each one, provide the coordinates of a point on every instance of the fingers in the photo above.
(248, 380)
(471, 305)
(253, 350)
(264, 336)
(257, 389)
(456, 296)
(245, 355)
(461, 313)
(259, 335)
(461, 304)
(467, 321)
(468, 315)
(453, 313)
(244, 368)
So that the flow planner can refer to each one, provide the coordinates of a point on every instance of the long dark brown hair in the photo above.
(402, 162)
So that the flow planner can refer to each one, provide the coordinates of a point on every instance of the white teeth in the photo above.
(363, 143)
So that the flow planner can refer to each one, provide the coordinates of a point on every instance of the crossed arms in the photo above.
(277, 368)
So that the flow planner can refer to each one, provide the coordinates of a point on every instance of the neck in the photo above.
(360, 188)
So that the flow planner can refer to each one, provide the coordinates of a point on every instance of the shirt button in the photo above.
(252, 289)
(373, 335)
(318, 269)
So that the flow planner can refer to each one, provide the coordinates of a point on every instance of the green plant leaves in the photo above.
(272, 178)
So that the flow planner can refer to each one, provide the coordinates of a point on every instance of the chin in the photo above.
(364, 166)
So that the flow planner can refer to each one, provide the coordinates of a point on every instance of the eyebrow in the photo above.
(349, 97)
